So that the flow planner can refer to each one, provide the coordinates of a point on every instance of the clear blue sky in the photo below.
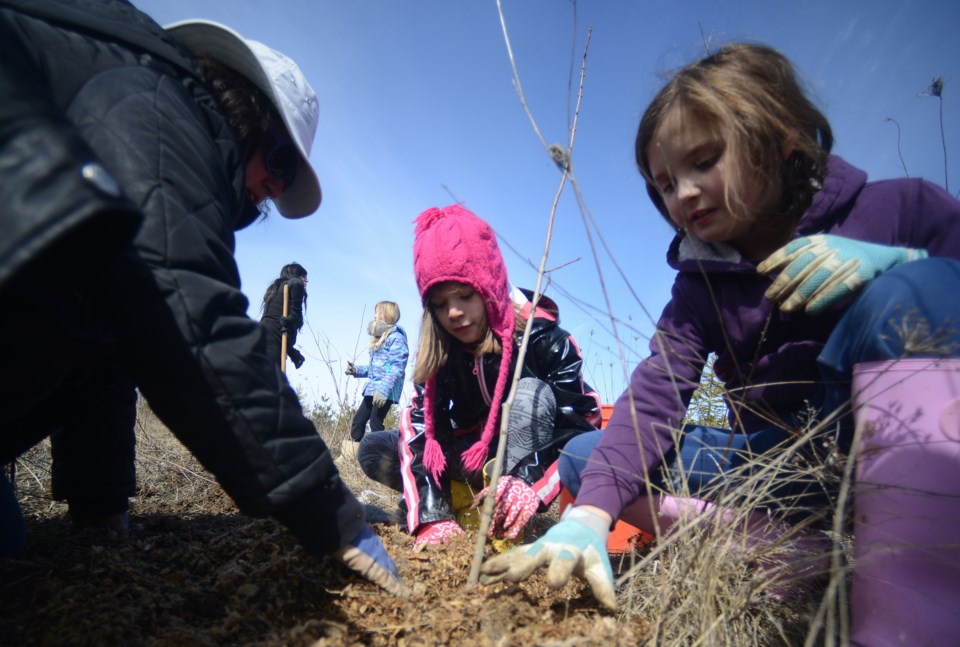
(417, 104)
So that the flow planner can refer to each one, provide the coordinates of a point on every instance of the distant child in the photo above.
(469, 341)
(737, 160)
(275, 322)
(388, 363)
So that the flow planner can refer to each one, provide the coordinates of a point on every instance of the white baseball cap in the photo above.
(281, 80)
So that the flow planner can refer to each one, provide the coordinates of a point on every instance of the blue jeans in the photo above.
(908, 297)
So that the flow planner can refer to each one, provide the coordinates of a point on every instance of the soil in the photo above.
(196, 572)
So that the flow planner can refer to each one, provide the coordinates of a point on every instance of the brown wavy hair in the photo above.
(750, 96)
(246, 108)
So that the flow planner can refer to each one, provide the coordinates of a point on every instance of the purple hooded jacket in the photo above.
(766, 358)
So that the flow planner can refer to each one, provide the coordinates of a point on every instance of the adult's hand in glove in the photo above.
(296, 356)
(286, 323)
(366, 556)
(351, 369)
(436, 532)
(516, 503)
(576, 545)
(379, 399)
(818, 271)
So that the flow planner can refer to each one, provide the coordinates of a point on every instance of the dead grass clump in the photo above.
(737, 574)
(168, 475)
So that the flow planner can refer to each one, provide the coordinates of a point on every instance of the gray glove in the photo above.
(367, 557)
(351, 369)
(379, 399)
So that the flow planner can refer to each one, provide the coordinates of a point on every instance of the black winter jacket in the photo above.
(103, 125)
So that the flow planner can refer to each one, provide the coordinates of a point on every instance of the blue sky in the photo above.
(418, 108)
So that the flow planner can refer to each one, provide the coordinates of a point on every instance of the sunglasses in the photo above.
(281, 160)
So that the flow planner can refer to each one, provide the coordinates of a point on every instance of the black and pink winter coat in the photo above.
(466, 383)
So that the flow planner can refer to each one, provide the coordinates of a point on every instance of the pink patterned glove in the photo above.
(516, 505)
(436, 532)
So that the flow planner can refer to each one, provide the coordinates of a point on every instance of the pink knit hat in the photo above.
(452, 244)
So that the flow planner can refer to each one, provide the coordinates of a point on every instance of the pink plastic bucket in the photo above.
(906, 582)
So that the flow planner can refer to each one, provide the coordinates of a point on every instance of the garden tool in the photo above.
(283, 337)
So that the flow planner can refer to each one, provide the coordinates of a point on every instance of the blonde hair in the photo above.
(750, 97)
(435, 342)
(389, 313)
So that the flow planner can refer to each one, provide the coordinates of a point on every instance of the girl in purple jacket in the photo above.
(809, 284)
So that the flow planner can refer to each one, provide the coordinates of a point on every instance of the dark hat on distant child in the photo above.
(452, 244)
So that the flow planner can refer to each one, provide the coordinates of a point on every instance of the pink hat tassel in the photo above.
(433, 459)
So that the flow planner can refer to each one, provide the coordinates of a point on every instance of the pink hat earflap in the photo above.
(433, 459)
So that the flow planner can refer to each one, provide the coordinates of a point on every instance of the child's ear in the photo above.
(789, 146)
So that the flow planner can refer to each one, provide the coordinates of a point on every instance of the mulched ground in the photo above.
(216, 578)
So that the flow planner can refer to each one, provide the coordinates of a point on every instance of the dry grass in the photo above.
(705, 583)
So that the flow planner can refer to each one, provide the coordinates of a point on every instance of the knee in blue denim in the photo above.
(902, 312)
(919, 285)
(573, 459)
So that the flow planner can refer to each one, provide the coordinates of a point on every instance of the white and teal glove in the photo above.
(577, 545)
(818, 271)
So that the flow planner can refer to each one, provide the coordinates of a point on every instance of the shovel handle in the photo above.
(283, 338)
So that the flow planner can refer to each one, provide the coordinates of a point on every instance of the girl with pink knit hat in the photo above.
(469, 340)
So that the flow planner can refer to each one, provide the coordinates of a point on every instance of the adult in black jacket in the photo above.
(123, 182)
(275, 323)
